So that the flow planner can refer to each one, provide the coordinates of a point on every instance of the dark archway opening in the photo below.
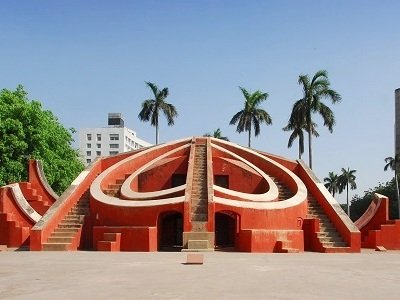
(225, 231)
(170, 232)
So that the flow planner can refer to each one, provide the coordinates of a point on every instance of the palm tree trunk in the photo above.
(299, 150)
(250, 137)
(348, 206)
(157, 134)
(309, 145)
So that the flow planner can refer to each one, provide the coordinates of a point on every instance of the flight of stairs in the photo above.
(34, 199)
(284, 192)
(329, 238)
(67, 235)
(18, 234)
(199, 195)
(114, 189)
(199, 239)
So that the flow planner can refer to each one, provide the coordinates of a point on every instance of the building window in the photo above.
(114, 137)
(88, 153)
(98, 153)
(88, 160)
(89, 137)
(114, 146)
(98, 145)
(99, 137)
(88, 145)
(113, 152)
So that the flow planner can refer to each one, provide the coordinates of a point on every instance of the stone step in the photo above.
(199, 209)
(199, 217)
(63, 234)
(69, 221)
(64, 225)
(55, 246)
(334, 238)
(334, 244)
(60, 239)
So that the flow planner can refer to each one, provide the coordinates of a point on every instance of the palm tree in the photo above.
(313, 93)
(251, 115)
(297, 124)
(393, 164)
(151, 108)
(332, 183)
(217, 134)
(346, 179)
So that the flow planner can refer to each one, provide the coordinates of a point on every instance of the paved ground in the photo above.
(99, 275)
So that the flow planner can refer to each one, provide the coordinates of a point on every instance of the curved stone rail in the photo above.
(371, 211)
(128, 193)
(270, 195)
(98, 194)
(23, 204)
(300, 188)
(43, 180)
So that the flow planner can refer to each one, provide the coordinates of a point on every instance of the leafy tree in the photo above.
(151, 108)
(359, 204)
(251, 115)
(332, 183)
(346, 179)
(313, 93)
(393, 164)
(217, 134)
(29, 132)
(297, 124)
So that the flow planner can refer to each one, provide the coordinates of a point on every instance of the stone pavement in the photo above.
(229, 275)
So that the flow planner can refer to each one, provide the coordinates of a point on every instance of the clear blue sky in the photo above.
(83, 59)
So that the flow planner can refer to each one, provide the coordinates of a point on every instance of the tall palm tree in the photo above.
(297, 124)
(217, 134)
(251, 115)
(394, 164)
(314, 92)
(151, 108)
(332, 183)
(346, 179)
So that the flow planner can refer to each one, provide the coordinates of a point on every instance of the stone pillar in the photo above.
(397, 120)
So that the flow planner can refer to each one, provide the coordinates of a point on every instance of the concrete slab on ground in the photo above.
(102, 275)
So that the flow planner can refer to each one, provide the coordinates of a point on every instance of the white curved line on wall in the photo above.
(128, 193)
(299, 197)
(24, 205)
(271, 195)
(98, 194)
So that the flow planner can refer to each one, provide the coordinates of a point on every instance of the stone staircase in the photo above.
(199, 195)
(284, 192)
(67, 235)
(330, 239)
(34, 199)
(199, 239)
(114, 189)
(18, 234)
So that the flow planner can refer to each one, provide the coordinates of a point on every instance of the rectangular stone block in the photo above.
(198, 245)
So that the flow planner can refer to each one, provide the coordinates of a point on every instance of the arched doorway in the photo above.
(225, 230)
(170, 231)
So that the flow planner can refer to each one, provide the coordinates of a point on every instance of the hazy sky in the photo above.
(83, 59)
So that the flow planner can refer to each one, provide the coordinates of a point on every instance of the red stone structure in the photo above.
(194, 194)
(377, 230)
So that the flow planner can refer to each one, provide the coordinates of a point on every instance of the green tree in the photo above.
(251, 115)
(151, 108)
(297, 124)
(29, 132)
(332, 183)
(217, 134)
(346, 179)
(393, 164)
(359, 204)
(314, 91)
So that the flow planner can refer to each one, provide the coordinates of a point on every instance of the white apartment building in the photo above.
(111, 140)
